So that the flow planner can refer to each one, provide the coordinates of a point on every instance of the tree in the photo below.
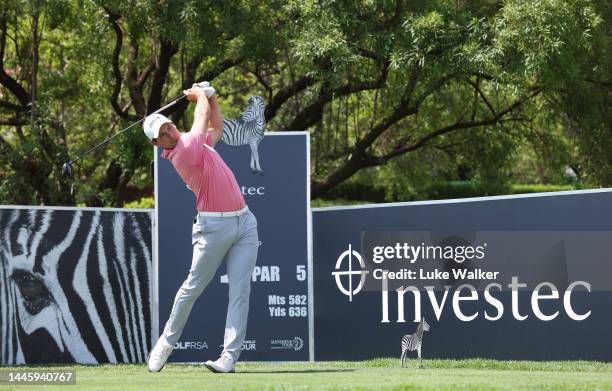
(30, 153)
(460, 89)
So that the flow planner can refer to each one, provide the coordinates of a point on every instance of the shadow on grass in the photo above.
(299, 371)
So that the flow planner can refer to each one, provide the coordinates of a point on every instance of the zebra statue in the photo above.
(414, 341)
(248, 130)
(75, 286)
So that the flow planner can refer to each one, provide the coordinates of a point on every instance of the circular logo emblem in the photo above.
(350, 254)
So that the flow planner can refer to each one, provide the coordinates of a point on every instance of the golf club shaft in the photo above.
(126, 129)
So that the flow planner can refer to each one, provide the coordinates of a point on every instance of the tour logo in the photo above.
(350, 254)
(295, 344)
(197, 345)
(249, 344)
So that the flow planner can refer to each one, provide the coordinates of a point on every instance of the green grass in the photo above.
(320, 202)
(379, 374)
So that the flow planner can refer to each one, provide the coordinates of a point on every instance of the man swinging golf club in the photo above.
(224, 228)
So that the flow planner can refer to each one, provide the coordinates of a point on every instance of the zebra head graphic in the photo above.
(425, 325)
(75, 286)
(255, 110)
(248, 130)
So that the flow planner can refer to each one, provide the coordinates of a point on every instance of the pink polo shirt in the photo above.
(205, 172)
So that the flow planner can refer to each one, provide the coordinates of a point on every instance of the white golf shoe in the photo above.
(225, 364)
(160, 353)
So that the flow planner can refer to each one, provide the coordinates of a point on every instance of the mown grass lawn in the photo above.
(379, 374)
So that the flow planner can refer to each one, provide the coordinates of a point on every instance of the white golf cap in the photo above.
(153, 123)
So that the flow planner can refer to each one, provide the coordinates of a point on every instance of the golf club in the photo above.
(67, 167)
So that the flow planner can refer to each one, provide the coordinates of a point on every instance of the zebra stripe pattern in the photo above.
(248, 130)
(412, 342)
(76, 286)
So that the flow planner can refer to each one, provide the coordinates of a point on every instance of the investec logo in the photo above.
(197, 345)
(340, 274)
(253, 190)
(465, 292)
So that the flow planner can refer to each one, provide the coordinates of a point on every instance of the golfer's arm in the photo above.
(201, 115)
(215, 126)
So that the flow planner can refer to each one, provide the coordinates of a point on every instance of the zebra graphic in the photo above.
(414, 341)
(248, 130)
(75, 286)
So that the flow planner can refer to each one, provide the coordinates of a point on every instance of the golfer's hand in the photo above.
(194, 93)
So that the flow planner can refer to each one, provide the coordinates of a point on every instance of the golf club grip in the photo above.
(177, 100)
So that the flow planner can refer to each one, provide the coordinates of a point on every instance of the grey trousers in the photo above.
(214, 239)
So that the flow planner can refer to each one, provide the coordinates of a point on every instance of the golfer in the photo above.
(224, 228)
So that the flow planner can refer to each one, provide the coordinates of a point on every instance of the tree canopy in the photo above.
(397, 92)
